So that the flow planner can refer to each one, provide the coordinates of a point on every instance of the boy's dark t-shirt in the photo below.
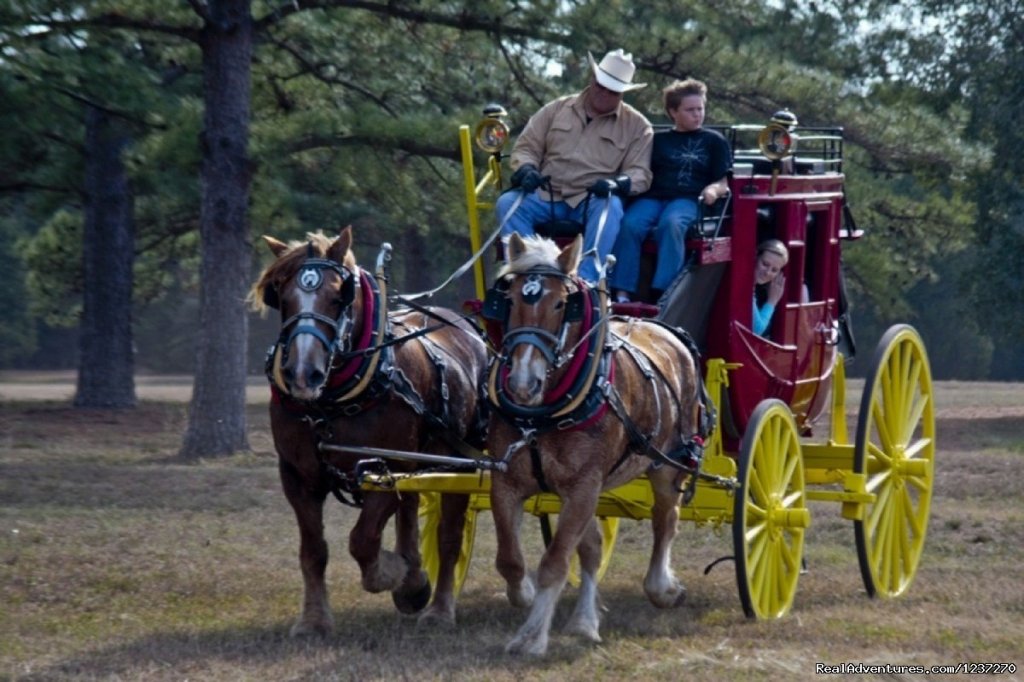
(683, 164)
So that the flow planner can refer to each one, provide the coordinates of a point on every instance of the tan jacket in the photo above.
(559, 141)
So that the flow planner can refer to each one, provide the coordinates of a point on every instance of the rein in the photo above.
(462, 269)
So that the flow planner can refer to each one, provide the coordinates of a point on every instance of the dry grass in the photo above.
(117, 562)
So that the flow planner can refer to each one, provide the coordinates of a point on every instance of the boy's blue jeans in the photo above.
(667, 220)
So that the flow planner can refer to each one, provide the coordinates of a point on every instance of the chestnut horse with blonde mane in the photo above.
(632, 405)
(345, 372)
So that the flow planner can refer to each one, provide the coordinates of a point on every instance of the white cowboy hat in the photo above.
(615, 72)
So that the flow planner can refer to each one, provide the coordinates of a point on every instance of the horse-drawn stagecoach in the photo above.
(781, 440)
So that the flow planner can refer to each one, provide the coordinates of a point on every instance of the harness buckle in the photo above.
(268, 361)
(691, 454)
(352, 410)
(566, 424)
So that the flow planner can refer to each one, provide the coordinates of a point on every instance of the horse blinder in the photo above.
(347, 294)
(496, 303)
(574, 306)
(270, 297)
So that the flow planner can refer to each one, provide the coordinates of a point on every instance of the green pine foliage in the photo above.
(355, 115)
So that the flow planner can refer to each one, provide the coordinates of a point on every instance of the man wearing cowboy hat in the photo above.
(590, 150)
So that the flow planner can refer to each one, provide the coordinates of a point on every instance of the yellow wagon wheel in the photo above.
(430, 519)
(895, 449)
(770, 513)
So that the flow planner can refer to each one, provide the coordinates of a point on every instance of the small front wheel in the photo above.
(770, 513)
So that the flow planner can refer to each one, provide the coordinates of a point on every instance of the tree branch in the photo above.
(22, 186)
(464, 21)
(113, 20)
(317, 71)
(179, 226)
(517, 73)
(409, 146)
(102, 107)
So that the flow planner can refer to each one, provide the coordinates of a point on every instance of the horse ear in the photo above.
(569, 259)
(278, 247)
(341, 245)
(516, 247)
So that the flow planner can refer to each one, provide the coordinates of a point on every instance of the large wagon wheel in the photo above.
(895, 448)
(430, 517)
(770, 513)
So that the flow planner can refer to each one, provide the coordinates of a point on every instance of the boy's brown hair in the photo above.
(674, 93)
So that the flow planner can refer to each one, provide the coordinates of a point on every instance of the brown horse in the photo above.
(582, 402)
(346, 372)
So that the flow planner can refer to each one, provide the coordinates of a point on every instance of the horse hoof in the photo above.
(435, 617)
(584, 631)
(521, 595)
(308, 629)
(529, 646)
(412, 602)
(670, 600)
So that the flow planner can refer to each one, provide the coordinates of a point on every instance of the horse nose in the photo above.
(304, 382)
(526, 390)
(314, 378)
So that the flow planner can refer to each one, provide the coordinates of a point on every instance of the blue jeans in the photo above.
(669, 219)
(535, 209)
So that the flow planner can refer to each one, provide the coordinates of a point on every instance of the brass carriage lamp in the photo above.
(778, 141)
(492, 131)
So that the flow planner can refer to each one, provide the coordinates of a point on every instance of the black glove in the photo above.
(528, 178)
(607, 186)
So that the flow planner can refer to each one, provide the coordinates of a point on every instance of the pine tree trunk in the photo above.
(106, 363)
(217, 424)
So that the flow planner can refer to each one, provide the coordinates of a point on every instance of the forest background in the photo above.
(144, 147)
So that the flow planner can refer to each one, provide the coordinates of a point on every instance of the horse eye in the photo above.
(559, 305)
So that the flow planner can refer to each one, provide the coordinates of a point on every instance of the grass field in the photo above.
(117, 562)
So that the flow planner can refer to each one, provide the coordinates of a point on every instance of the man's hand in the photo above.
(528, 178)
(608, 186)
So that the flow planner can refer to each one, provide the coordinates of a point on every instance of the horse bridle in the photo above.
(497, 307)
(310, 278)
